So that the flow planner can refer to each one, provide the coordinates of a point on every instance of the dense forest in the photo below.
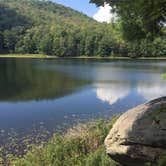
(44, 27)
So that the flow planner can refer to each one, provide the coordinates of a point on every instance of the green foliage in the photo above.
(99, 158)
(142, 25)
(47, 28)
(164, 76)
(148, 48)
(138, 17)
(44, 27)
(80, 146)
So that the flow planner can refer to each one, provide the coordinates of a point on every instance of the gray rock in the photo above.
(139, 135)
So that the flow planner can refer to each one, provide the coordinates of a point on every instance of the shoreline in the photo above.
(42, 56)
(76, 139)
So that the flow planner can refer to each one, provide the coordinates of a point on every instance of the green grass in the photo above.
(119, 57)
(77, 57)
(164, 76)
(79, 146)
(26, 56)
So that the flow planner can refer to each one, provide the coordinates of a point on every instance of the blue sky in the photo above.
(80, 5)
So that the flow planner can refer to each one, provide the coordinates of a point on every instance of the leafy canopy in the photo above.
(139, 17)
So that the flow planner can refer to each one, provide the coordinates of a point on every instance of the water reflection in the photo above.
(152, 90)
(111, 93)
(54, 92)
(21, 80)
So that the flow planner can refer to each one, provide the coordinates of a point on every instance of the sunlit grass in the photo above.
(77, 57)
(164, 76)
(80, 146)
(26, 56)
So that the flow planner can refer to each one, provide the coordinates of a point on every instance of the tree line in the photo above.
(44, 27)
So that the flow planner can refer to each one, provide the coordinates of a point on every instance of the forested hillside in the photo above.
(44, 27)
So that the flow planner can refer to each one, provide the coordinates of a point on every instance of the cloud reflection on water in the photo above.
(112, 93)
(152, 90)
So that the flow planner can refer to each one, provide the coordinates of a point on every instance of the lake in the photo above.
(54, 94)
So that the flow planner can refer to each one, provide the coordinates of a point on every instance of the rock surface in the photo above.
(139, 135)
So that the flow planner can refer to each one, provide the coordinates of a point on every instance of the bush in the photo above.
(80, 146)
(99, 158)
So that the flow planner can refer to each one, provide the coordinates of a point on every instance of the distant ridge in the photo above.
(45, 12)
(45, 27)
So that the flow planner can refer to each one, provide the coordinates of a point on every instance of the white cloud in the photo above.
(111, 93)
(104, 14)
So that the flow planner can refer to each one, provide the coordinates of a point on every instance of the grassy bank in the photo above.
(82, 145)
(79, 146)
(77, 57)
(120, 58)
(26, 56)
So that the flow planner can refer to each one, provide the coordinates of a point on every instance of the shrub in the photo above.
(80, 146)
(99, 158)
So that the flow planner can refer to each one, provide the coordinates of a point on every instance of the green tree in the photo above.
(138, 17)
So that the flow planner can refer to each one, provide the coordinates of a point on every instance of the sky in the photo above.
(80, 5)
(101, 14)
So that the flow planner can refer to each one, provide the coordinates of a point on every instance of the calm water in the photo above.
(55, 93)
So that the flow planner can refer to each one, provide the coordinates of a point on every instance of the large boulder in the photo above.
(139, 135)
